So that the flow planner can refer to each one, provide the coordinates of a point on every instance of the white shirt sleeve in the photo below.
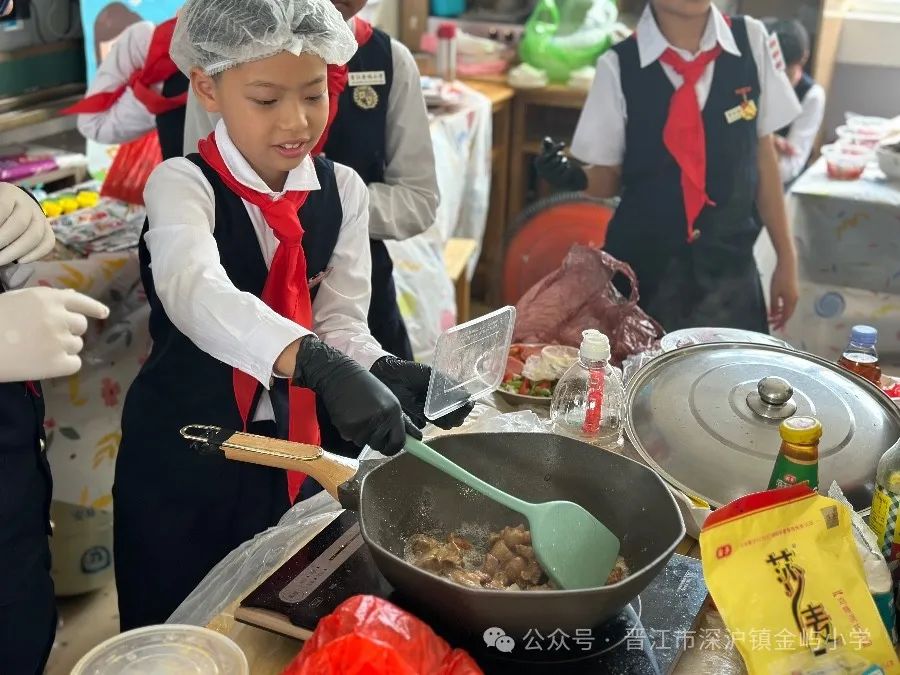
(234, 327)
(127, 119)
(802, 135)
(405, 203)
(341, 307)
(778, 104)
(600, 135)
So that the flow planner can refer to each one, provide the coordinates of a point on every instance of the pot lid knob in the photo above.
(773, 399)
(775, 391)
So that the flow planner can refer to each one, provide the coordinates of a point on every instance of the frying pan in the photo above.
(401, 496)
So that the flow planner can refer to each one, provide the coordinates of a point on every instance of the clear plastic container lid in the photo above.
(159, 650)
(469, 362)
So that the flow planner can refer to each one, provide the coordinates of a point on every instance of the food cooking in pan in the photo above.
(507, 563)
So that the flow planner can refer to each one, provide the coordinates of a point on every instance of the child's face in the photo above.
(275, 109)
(683, 8)
(349, 8)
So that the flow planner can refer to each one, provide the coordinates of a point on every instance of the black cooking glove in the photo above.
(554, 167)
(409, 382)
(362, 409)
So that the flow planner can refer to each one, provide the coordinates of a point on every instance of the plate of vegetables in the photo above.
(520, 390)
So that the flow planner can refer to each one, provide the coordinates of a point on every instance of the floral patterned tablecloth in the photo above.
(848, 244)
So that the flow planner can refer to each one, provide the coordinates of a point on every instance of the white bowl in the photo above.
(889, 161)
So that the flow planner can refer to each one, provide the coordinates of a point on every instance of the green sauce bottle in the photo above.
(798, 458)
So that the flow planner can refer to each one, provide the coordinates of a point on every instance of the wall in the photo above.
(50, 20)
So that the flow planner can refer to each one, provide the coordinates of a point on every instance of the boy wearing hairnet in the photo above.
(378, 126)
(256, 265)
(381, 131)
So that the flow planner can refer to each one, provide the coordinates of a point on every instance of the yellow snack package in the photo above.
(783, 569)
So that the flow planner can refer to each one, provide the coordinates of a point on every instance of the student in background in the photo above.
(679, 120)
(794, 143)
(136, 89)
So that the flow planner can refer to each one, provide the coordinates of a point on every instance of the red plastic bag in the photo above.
(366, 635)
(580, 295)
(131, 167)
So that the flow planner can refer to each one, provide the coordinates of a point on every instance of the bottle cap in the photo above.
(802, 430)
(447, 31)
(864, 335)
(594, 346)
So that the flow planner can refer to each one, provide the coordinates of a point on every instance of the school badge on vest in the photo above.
(746, 110)
(363, 84)
(365, 97)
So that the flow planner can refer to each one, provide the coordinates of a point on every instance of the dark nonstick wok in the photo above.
(401, 496)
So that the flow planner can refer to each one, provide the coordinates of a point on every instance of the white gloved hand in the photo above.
(25, 234)
(40, 332)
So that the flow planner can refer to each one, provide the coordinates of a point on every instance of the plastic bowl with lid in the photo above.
(867, 136)
(187, 650)
(868, 124)
(846, 162)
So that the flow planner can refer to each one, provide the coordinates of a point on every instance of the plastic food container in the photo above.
(165, 649)
(862, 135)
(469, 362)
(846, 162)
(868, 125)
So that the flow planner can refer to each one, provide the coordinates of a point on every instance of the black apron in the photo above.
(27, 603)
(357, 139)
(179, 512)
(714, 281)
(170, 125)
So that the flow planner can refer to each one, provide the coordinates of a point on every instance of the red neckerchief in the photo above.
(158, 67)
(337, 80)
(286, 291)
(684, 134)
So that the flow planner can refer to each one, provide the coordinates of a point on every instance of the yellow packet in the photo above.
(783, 570)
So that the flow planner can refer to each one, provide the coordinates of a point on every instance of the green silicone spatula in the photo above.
(574, 548)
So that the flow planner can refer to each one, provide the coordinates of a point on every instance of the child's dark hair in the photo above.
(793, 38)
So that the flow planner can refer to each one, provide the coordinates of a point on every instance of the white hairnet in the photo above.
(218, 34)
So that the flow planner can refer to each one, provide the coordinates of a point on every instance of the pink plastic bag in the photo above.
(580, 295)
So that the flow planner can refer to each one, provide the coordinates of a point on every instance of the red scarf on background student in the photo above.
(684, 134)
(286, 291)
(158, 67)
(337, 80)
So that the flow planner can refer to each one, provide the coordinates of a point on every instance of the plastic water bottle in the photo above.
(589, 400)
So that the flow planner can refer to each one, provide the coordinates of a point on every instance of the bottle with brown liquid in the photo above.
(798, 458)
(861, 356)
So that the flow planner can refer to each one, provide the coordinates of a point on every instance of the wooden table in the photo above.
(457, 254)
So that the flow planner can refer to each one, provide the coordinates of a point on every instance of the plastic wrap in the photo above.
(249, 564)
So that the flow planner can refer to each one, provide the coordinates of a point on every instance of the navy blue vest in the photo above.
(801, 90)
(649, 228)
(25, 489)
(357, 135)
(170, 125)
(179, 383)
(357, 138)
